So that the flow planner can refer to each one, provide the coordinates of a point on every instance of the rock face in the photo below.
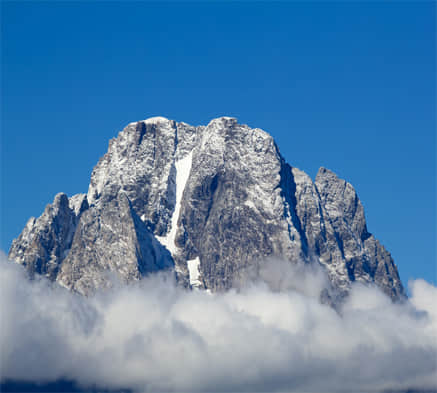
(110, 237)
(207, 202)
(45, 242)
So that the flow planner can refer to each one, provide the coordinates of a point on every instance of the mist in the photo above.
(271, 334)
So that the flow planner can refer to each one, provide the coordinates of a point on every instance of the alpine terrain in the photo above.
(206, 202)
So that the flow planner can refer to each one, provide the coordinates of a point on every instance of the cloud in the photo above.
(272, 334)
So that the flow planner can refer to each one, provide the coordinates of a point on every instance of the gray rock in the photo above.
(364, 258)
(140, 161)
(111, 238)
(44, 242)
(234, 210)
(208, 202)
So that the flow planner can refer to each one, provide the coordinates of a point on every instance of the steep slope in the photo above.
(45, 241)
(210, 201)
(110, 238)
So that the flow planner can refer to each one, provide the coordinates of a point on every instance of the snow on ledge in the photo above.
(193, 270)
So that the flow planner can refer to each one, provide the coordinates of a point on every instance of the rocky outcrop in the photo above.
(207, 202)
(44, 242)
(110, 238)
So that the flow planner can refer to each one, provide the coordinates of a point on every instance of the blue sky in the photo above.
(349, 86)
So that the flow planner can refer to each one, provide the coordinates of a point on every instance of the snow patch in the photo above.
(193, 270)
(151, 120)
(183, 168)
(156, 119)
(250, 204)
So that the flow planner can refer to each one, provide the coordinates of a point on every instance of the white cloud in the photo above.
(270, 335)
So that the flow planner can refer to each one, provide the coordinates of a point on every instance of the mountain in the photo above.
(208, 202)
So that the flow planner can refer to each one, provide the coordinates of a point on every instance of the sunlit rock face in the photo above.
(206, 202)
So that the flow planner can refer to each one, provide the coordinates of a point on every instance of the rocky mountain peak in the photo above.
(223, 122)
(61, 201)
(207, 202)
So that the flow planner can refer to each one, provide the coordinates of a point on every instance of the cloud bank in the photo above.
(272, 334)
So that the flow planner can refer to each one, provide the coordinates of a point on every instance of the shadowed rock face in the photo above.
(207, 202)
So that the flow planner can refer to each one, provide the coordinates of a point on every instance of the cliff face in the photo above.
(207, 202)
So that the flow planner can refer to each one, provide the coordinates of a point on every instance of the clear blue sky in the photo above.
(349, 86)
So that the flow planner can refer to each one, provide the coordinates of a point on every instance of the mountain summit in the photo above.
(206, 202)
